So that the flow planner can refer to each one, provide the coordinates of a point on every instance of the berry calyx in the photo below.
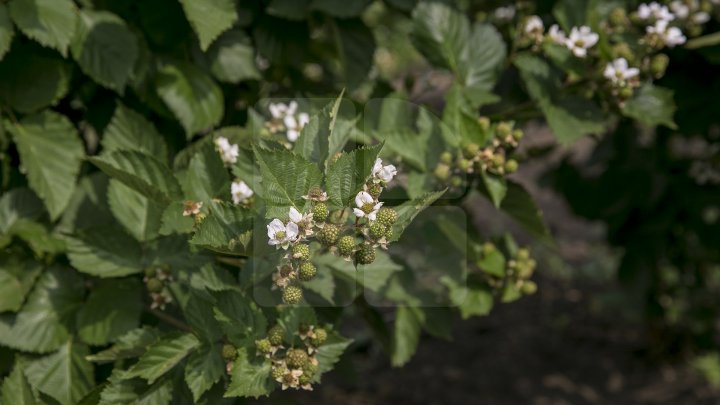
(320, 212)
(346, 245)
(229, 352)
(366, 254)
(301, 252)
(276, 335)
(296, 358)
(328, 235)
(292, 295)
(307, 271)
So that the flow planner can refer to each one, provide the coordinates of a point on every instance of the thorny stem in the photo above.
(169, 319)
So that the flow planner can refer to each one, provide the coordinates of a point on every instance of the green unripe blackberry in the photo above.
(386, 216)
(305, 379)
(346, 245)
(617, 17)
(366, 254)
(464, 164)
(446, 157)
(511, 166)
(264, 346)
(377, 230)
(389, 233)
(320, 337)
(275, 335)
(626, 92)
(151, 271)
(488, 248)
(292, 295)
(523, 254)
(503, 129)
(498, 161)
(470, 150)
(328, 235)
(659, 64)
(622, 50)
(154, 285)
(375, 190)
(484, 123)
(529, 287)
(296, 358)
(320, 212)
(442, 171)
(518, 134)
(456, 181)
(310, 369)
(278, 372)
(229, 352)
(307, 271)
(301, 252)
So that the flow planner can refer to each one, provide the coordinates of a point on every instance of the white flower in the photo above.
(655, 10)
(383, 173)
(700, 17)
(228, 152)
(366, 206)
(580, 40)
(295, 124)
(557, 35)
(534, 26)
(240, 192)
(280, 110)
(680, 9)
(619, 72)
(671, 36)
(505, 13)
(281, 234)
(303, 221)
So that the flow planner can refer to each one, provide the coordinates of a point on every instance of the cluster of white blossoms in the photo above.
(620, 74)
(660, 32)
(241, 193)
(578, 41)
(228, 152)
(505, 13)
(285, 117)
(367, 206)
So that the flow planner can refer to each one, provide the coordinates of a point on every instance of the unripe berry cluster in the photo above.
(293, 366)
(519, 269)
(492, 157)
(157, 277)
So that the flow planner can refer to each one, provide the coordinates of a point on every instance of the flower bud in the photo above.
(464, 164)
(484, 123)
(658, 65)
(456, 181)
(618, 17)
(442, 171)
(511, 166)
(154, 285)
(503, 129)
(446, 157)
(625, 93)
(529, 287)
(470, 150)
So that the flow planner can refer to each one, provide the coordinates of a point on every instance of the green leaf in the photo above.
(192, 96)
(240, 318)
(18, 203)
(41, 325)
(350, 8)
(226, 228)
(64, 375)
(138, 214)
(347, 175)
(493, 263)
(571, 13)
(173, 220)
(50, 22)
(407, 211)
(314, 141)
(105, 252)
(101, 320)
(289, 9)
(120, 391)
(651, 106)
(105, 48)
(373, 276)
(130, 345)
(440, 34)
(494, 187)
(408, 323)
(209, 18)
(286, 177)
(6, 31)
(51, 152)
(570, 117)
(356, 45)
(162, 356)
(40, 79)
(142, 173)
(485, 57)
(520, 205)
(36, 235)
(471, 299)
(204, 368)
(328, 354)
(17, 276)
(16, 390)
(206, 178)
(232, 58)
(129, 130)
(250, 376)
(462, 123)
(198, 311)
(213, 278)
